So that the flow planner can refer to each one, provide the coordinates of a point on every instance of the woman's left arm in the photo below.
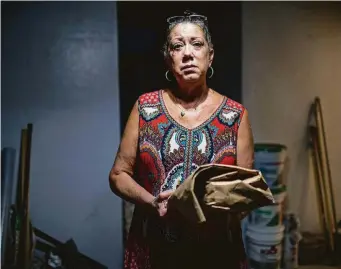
(245, 147)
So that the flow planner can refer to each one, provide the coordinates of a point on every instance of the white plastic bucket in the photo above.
(279, 193)
(270, 154)
(272, 175)
(272, 180)
(269, 216)
(291, 243)
(264, 247)
(292, 237)
(271, 169)
(270, 160)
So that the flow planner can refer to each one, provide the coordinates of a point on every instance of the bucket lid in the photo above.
(269, 147)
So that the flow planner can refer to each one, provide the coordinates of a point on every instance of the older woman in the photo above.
(170, 132)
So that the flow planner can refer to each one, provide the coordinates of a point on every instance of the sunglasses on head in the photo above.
(173, 19)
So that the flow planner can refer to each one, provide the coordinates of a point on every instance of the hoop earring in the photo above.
(166, 75)
(212, 72)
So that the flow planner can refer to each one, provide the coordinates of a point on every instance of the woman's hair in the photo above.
(189, 17)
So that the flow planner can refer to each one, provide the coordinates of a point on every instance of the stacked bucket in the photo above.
(265, 229)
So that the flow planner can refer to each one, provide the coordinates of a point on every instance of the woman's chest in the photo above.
(167, 159)
(173, 144)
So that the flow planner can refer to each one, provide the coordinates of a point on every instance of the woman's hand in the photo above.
(160, 202)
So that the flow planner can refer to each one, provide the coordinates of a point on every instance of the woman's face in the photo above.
(189, 53)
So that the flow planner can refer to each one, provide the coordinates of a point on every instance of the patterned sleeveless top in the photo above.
(168, 153)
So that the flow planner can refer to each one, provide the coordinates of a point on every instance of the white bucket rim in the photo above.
(265, 230)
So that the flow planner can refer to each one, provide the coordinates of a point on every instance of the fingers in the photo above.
(162, 211)
(161, 201)
(165, 194)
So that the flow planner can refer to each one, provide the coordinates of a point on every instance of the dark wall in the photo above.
(141, 27)
(59, 72)
(56, 48)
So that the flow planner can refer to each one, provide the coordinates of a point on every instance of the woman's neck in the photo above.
(191, 96)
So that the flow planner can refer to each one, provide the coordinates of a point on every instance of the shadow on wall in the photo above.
(60, 72)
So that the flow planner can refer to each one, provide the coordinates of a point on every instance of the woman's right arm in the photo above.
(120, 178)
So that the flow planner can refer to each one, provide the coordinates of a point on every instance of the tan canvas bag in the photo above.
(218, 187)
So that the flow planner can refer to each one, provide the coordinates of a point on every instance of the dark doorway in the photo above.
(141, 27)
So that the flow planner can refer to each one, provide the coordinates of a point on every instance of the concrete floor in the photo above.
(318, 267)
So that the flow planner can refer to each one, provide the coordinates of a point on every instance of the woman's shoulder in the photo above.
(232, 111)
(150, 98)
(232, 104)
